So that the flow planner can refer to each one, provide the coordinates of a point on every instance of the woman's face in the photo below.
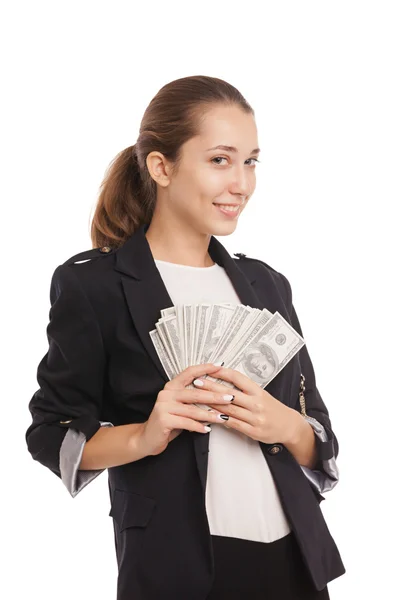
(206, 176)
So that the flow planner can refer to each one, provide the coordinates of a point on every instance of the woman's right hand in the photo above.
(174, 410)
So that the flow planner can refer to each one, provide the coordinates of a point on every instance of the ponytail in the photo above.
(125, 202)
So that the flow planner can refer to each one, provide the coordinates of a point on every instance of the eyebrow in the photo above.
(232, 149)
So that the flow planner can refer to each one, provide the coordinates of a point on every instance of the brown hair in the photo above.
(128, 192)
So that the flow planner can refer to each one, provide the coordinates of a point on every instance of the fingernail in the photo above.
(207, 428)
(228, 397)
(198, 382)
(219, 364)
(223, 417)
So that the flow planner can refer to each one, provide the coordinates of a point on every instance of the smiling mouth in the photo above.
(228, 207)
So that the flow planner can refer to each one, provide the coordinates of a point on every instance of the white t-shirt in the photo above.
(242, 500)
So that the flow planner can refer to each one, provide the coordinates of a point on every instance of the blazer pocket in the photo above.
(131, 510)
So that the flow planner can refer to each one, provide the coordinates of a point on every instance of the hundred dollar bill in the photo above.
(239, 315)
(203, 317)
(265, 351)
(168, 312)
(162, 333)
(163, 354)
(193, 331)
(245, 321)
(218, 321)
(180, 338)
(249, 322)
(169, 327)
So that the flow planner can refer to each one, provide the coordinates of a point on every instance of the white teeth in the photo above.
(229, 208)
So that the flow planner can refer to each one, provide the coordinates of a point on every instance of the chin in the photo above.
(223, 228)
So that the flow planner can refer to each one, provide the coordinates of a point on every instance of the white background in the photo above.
(323, 79)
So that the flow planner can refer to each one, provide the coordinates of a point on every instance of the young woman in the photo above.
(202, 515)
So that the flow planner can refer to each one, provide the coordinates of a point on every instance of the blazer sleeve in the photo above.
(325, 475)
(66, 409)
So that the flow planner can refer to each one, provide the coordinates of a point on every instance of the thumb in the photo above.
(186, 377)
(174, 434)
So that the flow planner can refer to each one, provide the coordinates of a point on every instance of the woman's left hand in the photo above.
(254, 411)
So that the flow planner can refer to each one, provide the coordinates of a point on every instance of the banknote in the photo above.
(251, 341)
(265, 350)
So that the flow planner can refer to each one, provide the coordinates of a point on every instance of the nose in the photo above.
(242, 181)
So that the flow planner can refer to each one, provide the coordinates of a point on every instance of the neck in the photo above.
(177, 245)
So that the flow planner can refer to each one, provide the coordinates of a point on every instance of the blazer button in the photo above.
(275, 449)
(105, 249)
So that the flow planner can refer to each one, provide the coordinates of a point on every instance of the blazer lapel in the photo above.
(146, 295)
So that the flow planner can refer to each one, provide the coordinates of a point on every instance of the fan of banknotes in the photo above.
(254, 342)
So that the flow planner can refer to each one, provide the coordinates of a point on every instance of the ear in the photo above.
(159, 168)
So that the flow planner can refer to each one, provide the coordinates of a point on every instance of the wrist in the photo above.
(302, 441)
(295, 427)
(136, 441)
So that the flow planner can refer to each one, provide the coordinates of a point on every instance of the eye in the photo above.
(224, 158)
(256, 159)
(217, 158)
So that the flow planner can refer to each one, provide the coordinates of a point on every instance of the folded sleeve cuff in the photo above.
(87, 424)
(71, 455)
(327, 477)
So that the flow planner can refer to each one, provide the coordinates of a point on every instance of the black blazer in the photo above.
(101, 366)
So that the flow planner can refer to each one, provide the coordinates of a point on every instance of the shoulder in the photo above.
(243, 258)
(90, 265)
(255, 267)
(87, 255)
(83, 273)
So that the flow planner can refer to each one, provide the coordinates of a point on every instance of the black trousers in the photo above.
(258, 571)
